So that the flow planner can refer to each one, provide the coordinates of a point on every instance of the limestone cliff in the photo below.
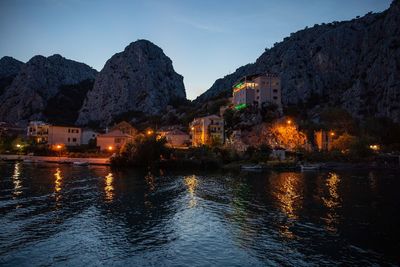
(38, 81)
(354, 64)
(9, 68)
(139, 79)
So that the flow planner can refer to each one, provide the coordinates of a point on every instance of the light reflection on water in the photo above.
(17, 180)
(332, 201)
(191, 184)
(109, 188)
(232, 219)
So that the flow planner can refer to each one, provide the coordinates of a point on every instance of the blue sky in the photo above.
(205, 39)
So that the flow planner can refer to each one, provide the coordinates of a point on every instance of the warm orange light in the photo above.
(332, 134)
(192, 128)
(110, 148)
(149, 132)
(374, 147)
(58, 146)
(18, 145)
(288, 121)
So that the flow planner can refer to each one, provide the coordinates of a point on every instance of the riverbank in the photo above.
(49, 159)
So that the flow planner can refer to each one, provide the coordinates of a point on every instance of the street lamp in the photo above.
(289, 122)
(149, 132)
(110, 148)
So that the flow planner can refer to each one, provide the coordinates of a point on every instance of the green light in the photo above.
(240, 106)
(238, 85)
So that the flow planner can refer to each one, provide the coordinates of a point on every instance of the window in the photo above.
(258, 97)
(69, 139)
(275, 97)
(73, 139)
(258, 90)
(69, 130)
(275, 91)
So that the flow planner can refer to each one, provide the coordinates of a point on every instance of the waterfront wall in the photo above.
(93, 161)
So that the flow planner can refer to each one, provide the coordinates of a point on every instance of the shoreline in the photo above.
(51, 159)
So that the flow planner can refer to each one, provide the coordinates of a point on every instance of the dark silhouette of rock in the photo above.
(38, 81)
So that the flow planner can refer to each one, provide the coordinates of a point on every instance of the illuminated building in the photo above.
(206, 130)
(256, 90)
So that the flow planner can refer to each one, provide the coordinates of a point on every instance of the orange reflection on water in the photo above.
(287, 192)
(109, 188)
(17, 180)
(58, 175)
(191, 183)
(287, 189)
(332, 201)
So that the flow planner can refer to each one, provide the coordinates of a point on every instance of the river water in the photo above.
(93, 216)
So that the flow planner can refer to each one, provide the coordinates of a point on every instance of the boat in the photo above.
(81, 163)
(310, 167)
(252, 167)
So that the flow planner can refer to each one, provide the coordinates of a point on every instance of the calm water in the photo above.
(90, 216)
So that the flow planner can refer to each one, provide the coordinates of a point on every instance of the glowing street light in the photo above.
(374, 147)
(149, 132)
(289, 122)
(192, 128)
(110, 148)
(18, 145)
(332, 133)
(58, 146)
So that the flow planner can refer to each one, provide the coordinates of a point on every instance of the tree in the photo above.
(343, 142)
(143, 152)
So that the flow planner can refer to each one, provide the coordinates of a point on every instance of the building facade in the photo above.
(88, 135)
(256, 90)
(113, 140)
(125, 128)
(175, 138)
(68, 136)
(38, 131)
(206, 130)
(44, 133)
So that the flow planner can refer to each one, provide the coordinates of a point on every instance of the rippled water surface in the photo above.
(70, 215)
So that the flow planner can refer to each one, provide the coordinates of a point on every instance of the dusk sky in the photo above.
(205, 39)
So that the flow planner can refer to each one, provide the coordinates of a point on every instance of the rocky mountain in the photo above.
(38, 81)
(9, 67)
(353, 64)
(141, 79)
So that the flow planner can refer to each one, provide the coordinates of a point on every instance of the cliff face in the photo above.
(139, 79)
(353, 64)
(9, 67)
(39, 80)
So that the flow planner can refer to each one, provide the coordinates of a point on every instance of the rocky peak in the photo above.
(9, 66)
(139, 79)
(38, 81)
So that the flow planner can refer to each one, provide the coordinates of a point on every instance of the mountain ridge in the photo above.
(348, 63)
